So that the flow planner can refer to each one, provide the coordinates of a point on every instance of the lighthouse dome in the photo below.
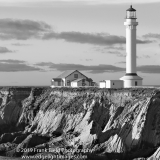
(131, 9)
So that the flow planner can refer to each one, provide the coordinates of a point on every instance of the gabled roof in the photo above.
(67, 73)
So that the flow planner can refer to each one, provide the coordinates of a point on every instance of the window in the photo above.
(136, 83)
(83, 80)
(83, 84)
(75, 75)
(68, 83)
(59, 83)
(113, 83)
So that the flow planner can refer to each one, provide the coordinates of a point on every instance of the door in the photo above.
(136, 83)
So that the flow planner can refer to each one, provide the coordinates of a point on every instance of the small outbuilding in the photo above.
(111, 84)
(102, 84)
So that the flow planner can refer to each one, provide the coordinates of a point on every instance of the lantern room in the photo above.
(131, 13)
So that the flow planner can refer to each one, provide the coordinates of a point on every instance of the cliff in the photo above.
(103, 123)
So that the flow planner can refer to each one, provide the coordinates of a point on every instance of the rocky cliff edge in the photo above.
(91, 123)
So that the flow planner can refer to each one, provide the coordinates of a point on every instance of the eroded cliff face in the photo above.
(114, 123)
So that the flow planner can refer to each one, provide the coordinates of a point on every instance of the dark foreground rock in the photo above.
(91, 123)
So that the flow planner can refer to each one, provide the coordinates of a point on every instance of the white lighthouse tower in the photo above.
(131, 78)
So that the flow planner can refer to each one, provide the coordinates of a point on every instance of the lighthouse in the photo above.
(131, 78)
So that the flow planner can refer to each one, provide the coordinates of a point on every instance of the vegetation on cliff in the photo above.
(113, 123)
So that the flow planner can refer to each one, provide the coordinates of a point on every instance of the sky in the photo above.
(40, 39)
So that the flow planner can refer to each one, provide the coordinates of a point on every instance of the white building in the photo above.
(111, 84)
(131, 78)
(67, 77)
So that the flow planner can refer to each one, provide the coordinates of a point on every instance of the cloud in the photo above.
(143, 56)
(119, 54)
(144, 41)
(112, 49)
(5, 67)
(138, 57)
(96, 2)
(98, 38)
(89, 59)
(26, 29)
(12, 61)
(152, 35)
(115, 47)
(20, 44)
(22, 29)
(78, 1)
(89, 38)
(122, 62)
(100, 49)
(146, 56)
(10, 65)
(149, 68)
(5, 50)
(92, 69)
(44, 64)
(101, 68)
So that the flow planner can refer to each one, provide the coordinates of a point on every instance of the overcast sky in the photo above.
(40, 39)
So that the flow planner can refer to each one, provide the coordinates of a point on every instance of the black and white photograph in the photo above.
(79, 80)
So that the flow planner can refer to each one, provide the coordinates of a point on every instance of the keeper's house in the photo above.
(72, 78)
(111, 84)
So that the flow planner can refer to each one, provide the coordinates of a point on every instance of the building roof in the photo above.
(77, 80)
(131, 9)
(66, 73)
(56, 79)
